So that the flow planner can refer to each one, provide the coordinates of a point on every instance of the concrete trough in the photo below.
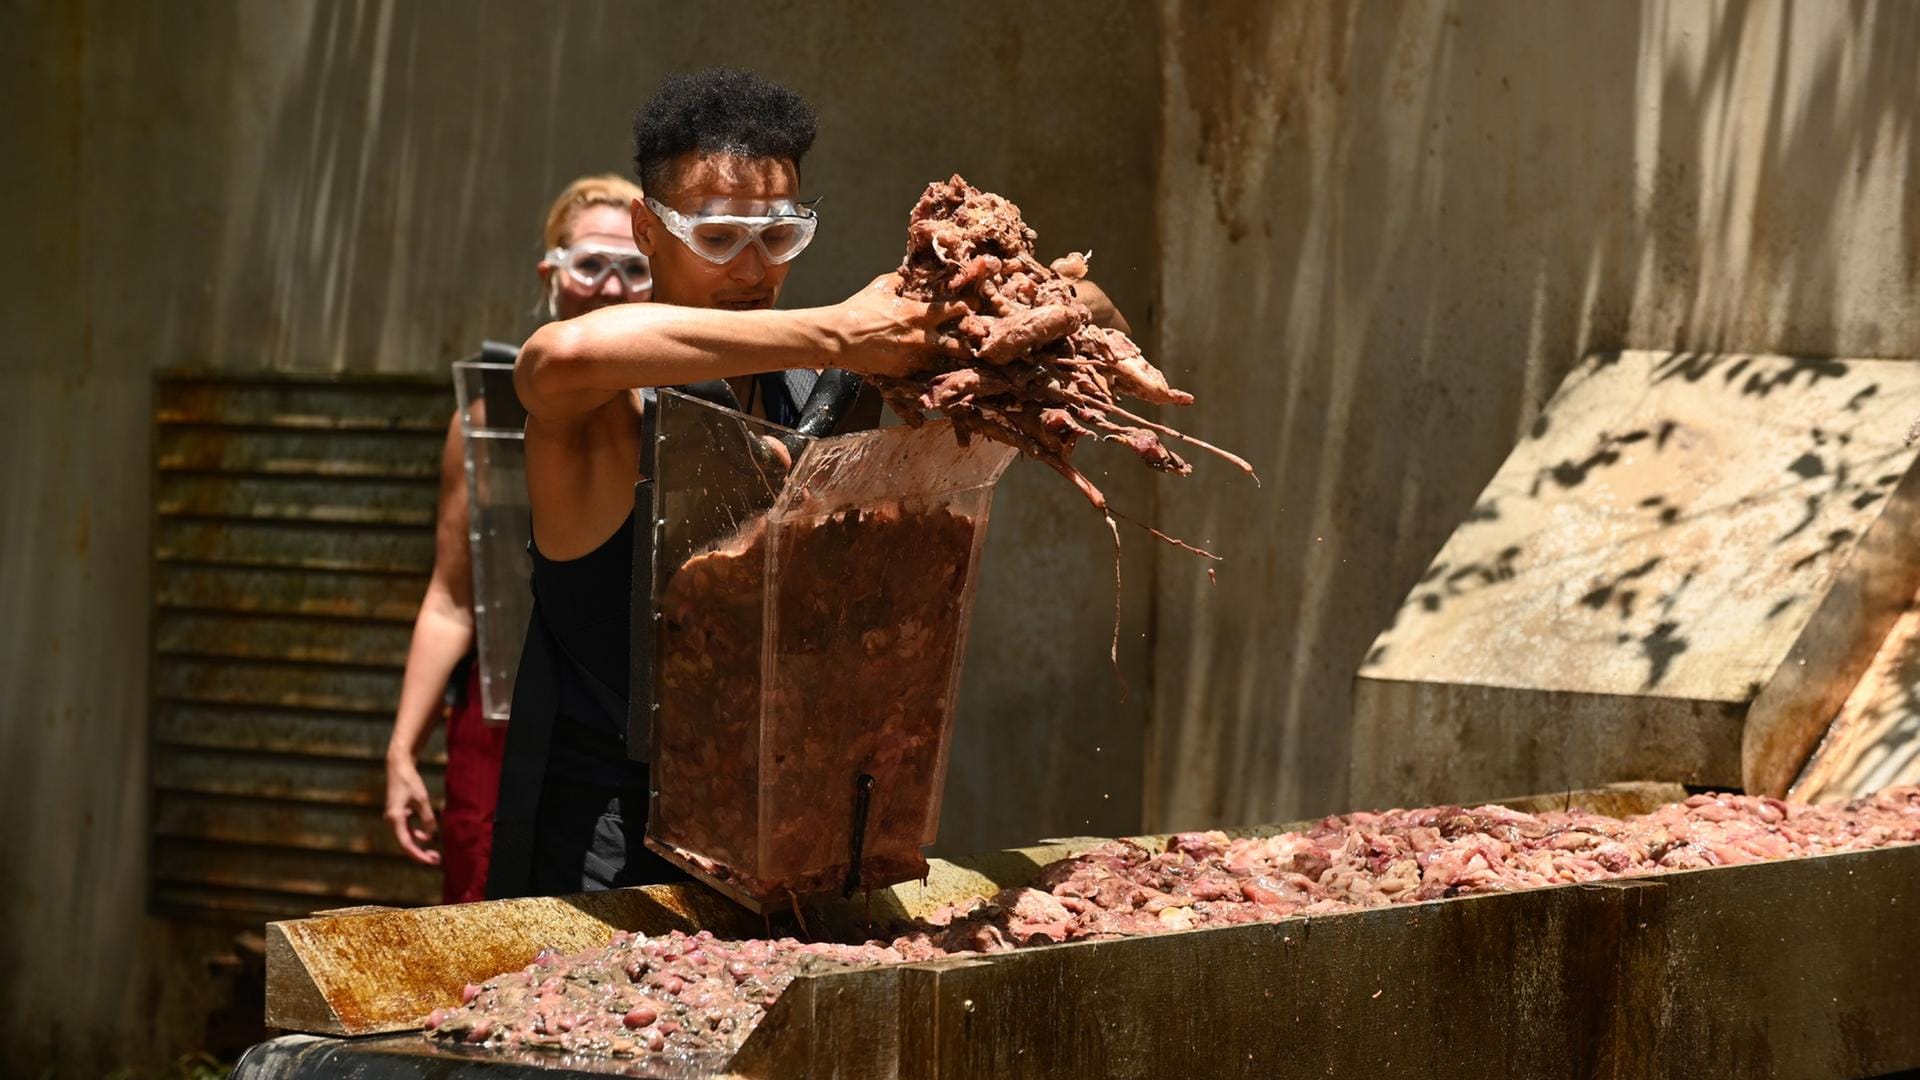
(1803, 967)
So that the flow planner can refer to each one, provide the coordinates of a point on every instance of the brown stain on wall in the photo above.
(1251, 71)
(1564, 178)
(324, 203)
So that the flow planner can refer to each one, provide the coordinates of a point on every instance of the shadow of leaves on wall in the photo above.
(1630, 589)
(1409, 223)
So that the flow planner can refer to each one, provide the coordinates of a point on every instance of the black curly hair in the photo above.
(719, 111)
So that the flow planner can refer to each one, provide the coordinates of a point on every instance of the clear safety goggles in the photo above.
(781, 233)
(589, 264)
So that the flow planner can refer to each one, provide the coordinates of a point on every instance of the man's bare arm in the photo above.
(569, 369)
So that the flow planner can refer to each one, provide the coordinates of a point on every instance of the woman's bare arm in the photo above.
(442, 634)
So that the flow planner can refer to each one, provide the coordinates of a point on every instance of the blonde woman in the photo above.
(590, 262)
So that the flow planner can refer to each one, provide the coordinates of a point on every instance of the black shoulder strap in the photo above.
(498, 352)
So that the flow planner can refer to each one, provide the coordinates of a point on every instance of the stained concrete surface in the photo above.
(1677, 574)
(1371, 237)
(1389, 229)
(1874, 741)
(359, 186)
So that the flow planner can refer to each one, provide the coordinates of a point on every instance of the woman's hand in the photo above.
(879, 332)
(410, 810)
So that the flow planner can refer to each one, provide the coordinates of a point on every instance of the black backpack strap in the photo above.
(498, 352)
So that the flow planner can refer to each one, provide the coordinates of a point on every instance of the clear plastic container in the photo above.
(809, 627)
(492, 424)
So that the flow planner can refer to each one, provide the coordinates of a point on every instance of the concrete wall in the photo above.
(1371, 237)
(358, 186)
(1388, 229)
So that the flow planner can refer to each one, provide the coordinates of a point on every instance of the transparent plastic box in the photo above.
(492, 424)
(808, 633)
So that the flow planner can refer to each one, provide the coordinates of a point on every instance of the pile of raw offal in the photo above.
(1040, 376)
(867, 608)
(689, 994)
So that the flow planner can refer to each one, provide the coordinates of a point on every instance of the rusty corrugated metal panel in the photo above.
(295, 592)
(305, 826)
(380, 403)
(226, 903)
(354, 548)
(293, 535)
(362, 642)
(333, 879)
(215, 727)
(304, 778)
(331, 687)
(220, 495)
(260, 451)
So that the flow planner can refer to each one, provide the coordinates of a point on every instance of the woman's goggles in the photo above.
(589, 264)
(782, 233)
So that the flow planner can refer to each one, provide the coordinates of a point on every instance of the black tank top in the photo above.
(584, 603)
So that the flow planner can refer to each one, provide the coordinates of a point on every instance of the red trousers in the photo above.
(474, 749)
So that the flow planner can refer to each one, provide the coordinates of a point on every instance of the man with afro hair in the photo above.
(718, 155)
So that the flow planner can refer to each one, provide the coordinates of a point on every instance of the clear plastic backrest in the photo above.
(493, 427)
(873, 556)
(716, 472)
(812, 623)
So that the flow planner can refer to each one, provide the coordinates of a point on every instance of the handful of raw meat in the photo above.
(1041, 376)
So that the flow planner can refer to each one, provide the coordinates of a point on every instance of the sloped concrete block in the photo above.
(1875, 741)
(1678, 574)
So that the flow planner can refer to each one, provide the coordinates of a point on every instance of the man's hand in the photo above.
(407, 800)
(879, 332)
